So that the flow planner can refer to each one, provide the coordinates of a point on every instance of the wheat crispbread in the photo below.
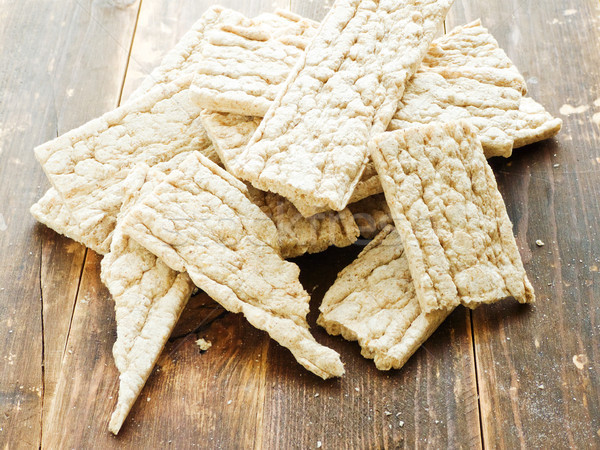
(243, 67)
(200, 220)
(311, 145)
(373, 301)
(148, 295)
(450, 216)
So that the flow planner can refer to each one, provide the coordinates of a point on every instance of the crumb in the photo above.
(541, 386)
(556, 165)
(401, 423)
(387, 413)
(539, 243)
(316, 395)
(319, 444)
(580, 361)
(203, 344)
(357, 389)
(229, 402)
(567, 110)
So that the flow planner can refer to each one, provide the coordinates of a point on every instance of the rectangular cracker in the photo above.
(200, 220)
(451, 218)
(373, 301)
(243, 67)
(311, 145)
(87, 166)
(466, 75)
(229, 133)
(149, 297)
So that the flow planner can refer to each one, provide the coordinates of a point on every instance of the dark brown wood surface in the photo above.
(504, 376)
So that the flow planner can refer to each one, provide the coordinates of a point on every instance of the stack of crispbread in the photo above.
(262, 139)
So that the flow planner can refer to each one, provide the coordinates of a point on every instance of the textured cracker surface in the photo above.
(148, 296)
(466, 75)
(52, 212)
(89, 165)
(450, 216)
(311, 145)
(200, 220)
(229, 133)
(373, 301)
(243, 67)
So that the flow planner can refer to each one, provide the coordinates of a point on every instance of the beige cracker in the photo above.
(466, 75)
(243, 67)
(148, 296)
(229, 133)
(311, 145)
(450, 216)
(88, 166)
(373, 301)
(200, 220)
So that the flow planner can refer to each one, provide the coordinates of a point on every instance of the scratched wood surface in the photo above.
(503, 376)
(538, 367)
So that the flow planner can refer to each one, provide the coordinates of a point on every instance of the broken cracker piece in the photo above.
(200, 220)
(87, 166)
(311, 145)
(149, 296)
(373, 301)
(451, 218)
(297, 234)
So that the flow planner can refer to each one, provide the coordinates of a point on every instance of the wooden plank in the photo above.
(91, 357)
(539, 381)
(99, 36)
(45, 59)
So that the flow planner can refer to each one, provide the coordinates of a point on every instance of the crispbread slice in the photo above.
(311, 145)
(466, 75)
(148, 296)
(297, 234)
(200, 220)
(88, 165)
(451, 218)
(372, 215)
(243, 67)
(373, 301)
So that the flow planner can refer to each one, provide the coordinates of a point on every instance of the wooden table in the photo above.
(502, 376)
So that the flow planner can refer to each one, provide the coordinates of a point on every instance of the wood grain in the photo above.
(535, 368)
(538, 376)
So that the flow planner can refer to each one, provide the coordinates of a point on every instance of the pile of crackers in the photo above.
(257, 140)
